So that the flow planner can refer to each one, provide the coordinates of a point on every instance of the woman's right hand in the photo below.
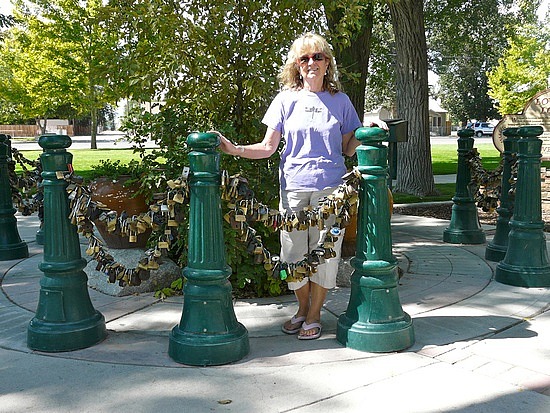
(226, 145)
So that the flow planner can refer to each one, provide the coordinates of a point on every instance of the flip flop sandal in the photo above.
(294, 320)
(311, 326)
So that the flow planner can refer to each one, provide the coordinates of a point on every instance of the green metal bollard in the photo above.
(208, 333)
(65, 319)
(11, 245)
(496, 249)
(464, 227)
(7, 140)
(526, 261)
(374, 320)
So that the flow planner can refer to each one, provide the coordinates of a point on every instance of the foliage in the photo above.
(213, 66)
(350, 25)
(30, 81)
(6, 21)
(523, 70)
(114, 169)
(466, 39)
(55, 58)
(381, 78)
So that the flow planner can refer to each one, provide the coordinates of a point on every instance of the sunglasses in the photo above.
(315, 56)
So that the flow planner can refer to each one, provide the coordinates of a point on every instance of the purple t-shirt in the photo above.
(312, 125)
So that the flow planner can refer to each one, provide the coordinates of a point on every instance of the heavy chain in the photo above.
(486, 186)
(163, 217)
(166, 213)
(244, 210)
(26, 192)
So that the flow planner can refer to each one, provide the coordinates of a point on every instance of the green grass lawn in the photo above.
(85, 159)
(444, 157)
(444, 161)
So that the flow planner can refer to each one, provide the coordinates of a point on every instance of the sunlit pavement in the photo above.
(481, 346)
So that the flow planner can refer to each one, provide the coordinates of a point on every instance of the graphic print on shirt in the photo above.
(313, 110)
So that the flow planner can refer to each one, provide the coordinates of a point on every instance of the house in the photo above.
(440, 125)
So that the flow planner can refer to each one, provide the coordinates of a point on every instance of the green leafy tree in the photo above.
(523, 71)
(6, 21)
(350, 29)
(202, 65)
(67, 39)
(30, 83)
(381, 76)
(466, 39)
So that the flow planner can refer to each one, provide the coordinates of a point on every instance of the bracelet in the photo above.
(240, 148)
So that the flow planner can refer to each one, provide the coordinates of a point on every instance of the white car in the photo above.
(482, 128)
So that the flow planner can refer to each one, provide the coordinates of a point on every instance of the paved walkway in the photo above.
(481, 346)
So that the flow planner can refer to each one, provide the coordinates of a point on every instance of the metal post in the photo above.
(11, 245)
(526, 261)
(208, 333)
(374, 320)
(464, 227)
(496, 249)
(65, 319)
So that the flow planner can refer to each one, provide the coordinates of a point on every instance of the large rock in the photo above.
(168, 272)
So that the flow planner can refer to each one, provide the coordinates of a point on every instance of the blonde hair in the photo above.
(290, 77)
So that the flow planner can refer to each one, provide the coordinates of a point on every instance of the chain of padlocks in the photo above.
(26, 194)
(165, 215)
(486, 186)
(244, 209)
(168, 210)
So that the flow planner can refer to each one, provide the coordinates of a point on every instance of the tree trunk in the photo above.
(354, 57)
(414, 159)
(93, 132)
(41, 126)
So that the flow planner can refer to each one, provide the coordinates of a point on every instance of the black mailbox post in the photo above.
(398, 133)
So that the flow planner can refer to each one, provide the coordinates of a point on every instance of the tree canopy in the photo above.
(55, 59)
(466, 39)
(523, 70)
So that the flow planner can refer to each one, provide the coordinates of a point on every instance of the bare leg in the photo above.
(318, 295)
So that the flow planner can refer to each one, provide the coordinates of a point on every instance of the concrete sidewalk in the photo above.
(481, 346)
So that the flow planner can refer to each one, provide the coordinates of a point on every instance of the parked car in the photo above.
(481, 128)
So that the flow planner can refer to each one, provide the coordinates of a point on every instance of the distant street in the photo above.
(115, 140)
(451, 140)
(105, 140)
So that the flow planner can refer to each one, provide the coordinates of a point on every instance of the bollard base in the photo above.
(375, 338)
(57, 337)
(495, 253)
(40, 237)
(14, 251)
(463, 236)
(197, 349)
(520, 276)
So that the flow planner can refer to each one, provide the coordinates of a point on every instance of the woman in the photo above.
(317, 122)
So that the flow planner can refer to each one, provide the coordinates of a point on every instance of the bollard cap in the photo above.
(465, 133)
(54, 141)
(530, 131)
(511, 132)
(371, 135)
(202, 140)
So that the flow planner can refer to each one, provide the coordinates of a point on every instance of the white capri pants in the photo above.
(295, 244)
